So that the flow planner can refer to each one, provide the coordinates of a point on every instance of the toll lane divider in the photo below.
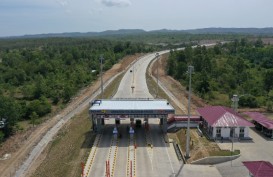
(92, 155)
(112, 155)
(131, 158)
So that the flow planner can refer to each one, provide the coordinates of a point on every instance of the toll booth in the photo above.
(132, 109)
(115, 132)
(131, 132)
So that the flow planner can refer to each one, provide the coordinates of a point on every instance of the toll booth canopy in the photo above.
(131, 108)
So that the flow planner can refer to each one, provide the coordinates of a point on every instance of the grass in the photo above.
(111, 89)
(219, 99)
(24, 125)
(200, 147)
(72, 144)
(152, 86)
(224, 153)
(68, 149)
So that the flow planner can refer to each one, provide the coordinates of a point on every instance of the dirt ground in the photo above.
(19, 145)
(175, 87)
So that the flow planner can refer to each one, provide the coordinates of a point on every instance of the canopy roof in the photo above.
(259, 168)
(261, 119)
(220, 116)
(131, 107)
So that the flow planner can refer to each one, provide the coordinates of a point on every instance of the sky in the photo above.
(21, 17)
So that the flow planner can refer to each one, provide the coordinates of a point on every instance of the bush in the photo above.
(269, 106)
(1, 136)
(248, 101)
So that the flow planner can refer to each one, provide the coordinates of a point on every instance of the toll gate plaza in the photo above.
(132, 109)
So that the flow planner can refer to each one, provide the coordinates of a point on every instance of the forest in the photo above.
(39, 74)
(243, 67)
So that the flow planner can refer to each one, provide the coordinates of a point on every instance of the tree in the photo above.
(2, 135)
(248, 101)
(33, 118)
(259, 43)
(268, 80)
(171, 66)
(270, 95)
(10, 110)
(202, 84)
(269, 105)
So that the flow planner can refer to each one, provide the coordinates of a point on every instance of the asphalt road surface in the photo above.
(160, 160)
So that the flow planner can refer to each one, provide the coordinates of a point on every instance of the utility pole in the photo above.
(190, 70)
(101, 80)
(157, 55)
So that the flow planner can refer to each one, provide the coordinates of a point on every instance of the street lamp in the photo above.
(156, 56)
(234, 100)
(190, 70)
(133, 81)
(101, 80)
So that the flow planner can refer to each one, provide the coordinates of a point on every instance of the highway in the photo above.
(152, 157)
(135, 78)
(146, 154)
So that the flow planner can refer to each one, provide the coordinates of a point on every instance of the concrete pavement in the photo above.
(199, 171)
(258, 149)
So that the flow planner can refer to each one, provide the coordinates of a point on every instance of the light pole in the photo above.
(190, 70)
(101, 80)
(235, 100)
(157, 55)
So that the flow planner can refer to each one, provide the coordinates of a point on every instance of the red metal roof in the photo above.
(220, 116)
(261, 119)
(259, 168)
(173, 117)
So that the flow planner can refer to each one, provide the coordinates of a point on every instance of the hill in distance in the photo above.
(124, 32)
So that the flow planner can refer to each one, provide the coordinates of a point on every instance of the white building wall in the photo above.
(246, 132)
(225, 132)
(214, 132)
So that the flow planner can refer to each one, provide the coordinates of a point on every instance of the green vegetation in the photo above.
(69, 148)
(39, 75)
(200, 147)
(72, 144)
(241, 67)
(224, 153)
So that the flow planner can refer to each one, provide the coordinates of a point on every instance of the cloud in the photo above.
(63, 3)
(116, 3)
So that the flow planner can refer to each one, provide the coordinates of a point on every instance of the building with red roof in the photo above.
(262, 123)
(259, 168)
(223, 122)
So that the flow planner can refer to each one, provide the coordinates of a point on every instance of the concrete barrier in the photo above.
(215, 160)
